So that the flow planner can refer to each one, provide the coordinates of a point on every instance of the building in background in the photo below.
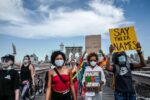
(93, 43)
(33, 58)
(62, 47)
(46, 59)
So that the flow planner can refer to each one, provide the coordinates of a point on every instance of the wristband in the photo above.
(140, 52)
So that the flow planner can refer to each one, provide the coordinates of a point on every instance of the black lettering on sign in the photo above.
(134, 43)
(117, 33)
(125, 45)
(128, 45)
(126, 38)
(119, 46)
(125, 31)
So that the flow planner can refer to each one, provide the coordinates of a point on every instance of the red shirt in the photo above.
(58, 85)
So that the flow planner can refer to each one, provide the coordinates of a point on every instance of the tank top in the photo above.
(58, 85)
(25, 73)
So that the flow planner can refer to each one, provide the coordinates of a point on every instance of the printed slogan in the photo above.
(92, 79)
(123, 38)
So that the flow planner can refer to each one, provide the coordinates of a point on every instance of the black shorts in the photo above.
(61, 96)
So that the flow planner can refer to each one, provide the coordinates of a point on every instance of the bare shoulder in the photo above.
(31, 66)
(51, 72)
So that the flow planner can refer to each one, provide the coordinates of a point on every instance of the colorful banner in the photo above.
(81, 66)
(92, 80)
(123, 39)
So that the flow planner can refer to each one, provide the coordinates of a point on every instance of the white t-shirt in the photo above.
(96, 68)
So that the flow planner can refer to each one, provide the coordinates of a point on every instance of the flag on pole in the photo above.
(79, 67)
(103, 62)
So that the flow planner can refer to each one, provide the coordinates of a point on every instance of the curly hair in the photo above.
(55, 54)
(92, 55)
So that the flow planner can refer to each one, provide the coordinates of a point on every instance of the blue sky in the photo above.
(39, 26)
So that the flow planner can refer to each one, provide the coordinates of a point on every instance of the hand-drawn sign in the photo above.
(123, 39)
(93, 79)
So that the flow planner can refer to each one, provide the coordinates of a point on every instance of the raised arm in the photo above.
(109, 62)
(142, 62)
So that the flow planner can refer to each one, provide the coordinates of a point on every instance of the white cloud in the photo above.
(12, 10)
(60, 22)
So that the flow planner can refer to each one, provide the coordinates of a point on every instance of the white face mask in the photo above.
(59, 63)
(26, 62)
(93, 63)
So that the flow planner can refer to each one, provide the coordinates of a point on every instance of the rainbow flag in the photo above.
(103, 62)
(79, 67)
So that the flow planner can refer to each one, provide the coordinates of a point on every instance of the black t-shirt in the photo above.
(123, 78)
(9, 82)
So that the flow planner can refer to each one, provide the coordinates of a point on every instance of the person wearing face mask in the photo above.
(27, 74)
(118, 64)
(9, 79)
(60, 84)
(93, 67)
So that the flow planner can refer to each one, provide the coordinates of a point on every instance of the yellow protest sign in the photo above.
(123, 38)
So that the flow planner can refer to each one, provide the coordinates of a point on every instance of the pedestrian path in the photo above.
(107, 95)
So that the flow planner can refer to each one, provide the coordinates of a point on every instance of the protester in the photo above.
(27, 74)
(118, 64)
(60, 84)
(102, 59)
(9, 80)
(93, 67)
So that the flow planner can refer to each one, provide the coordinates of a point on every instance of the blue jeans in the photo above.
(120, 96)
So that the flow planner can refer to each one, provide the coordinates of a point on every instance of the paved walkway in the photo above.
(107, 95)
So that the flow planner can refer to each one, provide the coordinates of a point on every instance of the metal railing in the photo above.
(142, 91)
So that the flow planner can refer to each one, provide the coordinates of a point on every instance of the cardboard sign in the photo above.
(92, 43)
(92, 79)
(123, 39)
